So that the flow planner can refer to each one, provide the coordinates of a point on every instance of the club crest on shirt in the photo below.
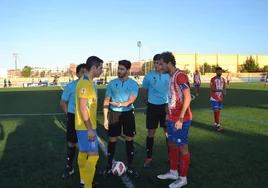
(127, 90)
(166, 82)
(83, 90)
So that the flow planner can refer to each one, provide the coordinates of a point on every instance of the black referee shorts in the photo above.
(155, 114)
(71, 132)
(119, 120)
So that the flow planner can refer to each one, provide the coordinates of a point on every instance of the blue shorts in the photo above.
(216, 105)
(178, 136)
(84, 144)
(197, 86)
(267, 81)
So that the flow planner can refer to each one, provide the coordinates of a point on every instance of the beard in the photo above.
(121, 75)
(219, 74)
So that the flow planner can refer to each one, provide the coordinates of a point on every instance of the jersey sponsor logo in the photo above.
(83, 90)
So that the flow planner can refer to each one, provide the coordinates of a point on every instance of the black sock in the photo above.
(111, 151)
(149, 146)
(70, 156)
(130, 152)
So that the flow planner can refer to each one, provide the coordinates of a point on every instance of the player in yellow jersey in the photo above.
(86, 122)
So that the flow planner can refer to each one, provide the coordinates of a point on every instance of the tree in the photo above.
(42, 74)
(26, 71)
(206, 68)
(265, 68)
(149, 66)
(250, 65)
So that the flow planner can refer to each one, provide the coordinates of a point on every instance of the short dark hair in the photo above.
(157, 57)
(218, 68)
(93, 60)
(168, 57)
(79, 67)
(125, 63)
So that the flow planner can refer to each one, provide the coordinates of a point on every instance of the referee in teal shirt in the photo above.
(67, 104)
(155, 96)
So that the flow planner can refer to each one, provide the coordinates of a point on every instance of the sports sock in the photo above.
(70, 156)
(111, 151)
(82, 159)
(184, 164)
(149, 146)
(174, 156)
(217, 116)
(90, 169)
(130, 152)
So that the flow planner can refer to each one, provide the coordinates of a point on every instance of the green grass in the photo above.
(33, 148)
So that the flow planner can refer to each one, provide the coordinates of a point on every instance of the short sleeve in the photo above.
(108, 91)
(66, 93)
(85, 89)
(145, 82)
(183, 81)
(135, 89)
(212, 82)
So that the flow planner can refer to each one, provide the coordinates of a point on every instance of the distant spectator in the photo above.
(5, 83)
(9, 83)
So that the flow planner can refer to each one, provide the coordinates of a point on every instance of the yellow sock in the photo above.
(82, 160)
(90, 169)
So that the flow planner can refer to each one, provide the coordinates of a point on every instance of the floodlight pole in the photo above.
(139, 45)
(15, 55)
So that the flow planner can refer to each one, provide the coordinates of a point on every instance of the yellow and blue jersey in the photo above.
(86, 89)
(157, 85)
(68, 95)
(119, 91)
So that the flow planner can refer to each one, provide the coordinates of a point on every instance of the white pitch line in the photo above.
(124, 178)
(51, 114)
(61, 87)
(193, 97)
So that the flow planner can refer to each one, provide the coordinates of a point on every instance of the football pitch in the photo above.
(33, 143)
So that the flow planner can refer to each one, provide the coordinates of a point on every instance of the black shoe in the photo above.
(132, 172)
(82, 185)
(107, 172)
(68, 171)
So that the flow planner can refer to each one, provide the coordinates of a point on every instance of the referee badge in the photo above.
(127, 90)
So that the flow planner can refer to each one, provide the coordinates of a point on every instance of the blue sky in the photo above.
(57, 33)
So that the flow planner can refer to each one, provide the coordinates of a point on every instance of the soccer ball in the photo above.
(119, 168)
